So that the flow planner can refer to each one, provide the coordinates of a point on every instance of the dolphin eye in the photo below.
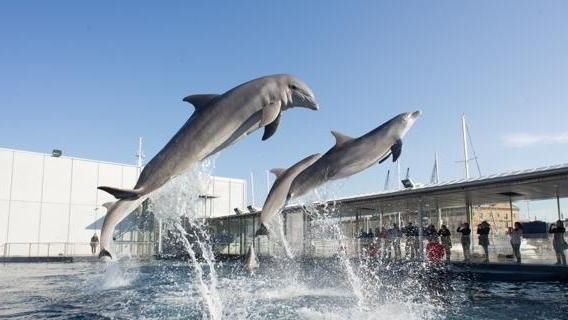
(293, 87)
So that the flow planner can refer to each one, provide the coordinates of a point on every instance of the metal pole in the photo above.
(558, 205)
(159, 236)
(470, 222)
(511, 211)
(465, 155)
(420, 231)
(252, 188)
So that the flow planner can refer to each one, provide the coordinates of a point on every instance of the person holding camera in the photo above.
(516, 233)
(483, 230)
(465, 240)
(558, 242)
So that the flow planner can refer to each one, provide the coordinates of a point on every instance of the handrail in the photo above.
(48, 249)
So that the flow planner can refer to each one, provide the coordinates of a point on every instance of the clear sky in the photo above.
(92, 77)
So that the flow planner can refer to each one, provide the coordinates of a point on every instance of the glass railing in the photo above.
(535, 250)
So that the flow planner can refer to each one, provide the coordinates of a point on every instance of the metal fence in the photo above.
(66, 249)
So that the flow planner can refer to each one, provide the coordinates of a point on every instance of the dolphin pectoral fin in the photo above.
(262, 231)
(340, 138)
(386, 156)
(104, 253)
(270, 129)
(270, 112)
(121, 193)
(200, 101)
(396, 149)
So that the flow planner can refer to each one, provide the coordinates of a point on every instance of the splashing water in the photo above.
(178, 202)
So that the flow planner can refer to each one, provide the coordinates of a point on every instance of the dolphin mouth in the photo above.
(416, 114)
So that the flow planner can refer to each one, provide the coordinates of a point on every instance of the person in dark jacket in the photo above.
(483, 230)
(445, 236)
(465, 239)
(558, 242)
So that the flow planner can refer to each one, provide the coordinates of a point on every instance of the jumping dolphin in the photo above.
(279, 190)
(251, 260)
(217, 122)
(353, 155)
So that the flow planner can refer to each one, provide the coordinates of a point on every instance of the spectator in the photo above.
(445, 236)
(516, 233)
(434, 250)
(483, 230)
(558, 241)
(465, 239)
(94, 243)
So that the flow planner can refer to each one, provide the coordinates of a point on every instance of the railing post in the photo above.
(29, 249)
(48, 247)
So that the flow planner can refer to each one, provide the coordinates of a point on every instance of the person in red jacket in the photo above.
(435, 250)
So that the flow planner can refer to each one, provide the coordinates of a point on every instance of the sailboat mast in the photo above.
(465, 155)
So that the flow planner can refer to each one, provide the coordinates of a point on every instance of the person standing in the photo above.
(516, 233)
(445, 236)
(396, 235)
(558, 242)
(434, 250)
(465, 239)
(483, 230)
(94, 243)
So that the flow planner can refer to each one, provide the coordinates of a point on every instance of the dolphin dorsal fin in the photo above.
(200, 101)
(396, 149)
(107, 205)
(277, 172)
(340, 138)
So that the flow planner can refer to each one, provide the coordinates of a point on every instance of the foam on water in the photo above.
(113, 277)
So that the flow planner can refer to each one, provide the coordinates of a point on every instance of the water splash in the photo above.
(179, 204)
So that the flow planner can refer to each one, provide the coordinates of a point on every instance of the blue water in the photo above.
(280, 289)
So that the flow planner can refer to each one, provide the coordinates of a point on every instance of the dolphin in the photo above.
(217, 122)
(279, 190)
(251, 260)
(352, 155)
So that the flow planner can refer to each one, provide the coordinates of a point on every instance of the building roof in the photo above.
(531, 184)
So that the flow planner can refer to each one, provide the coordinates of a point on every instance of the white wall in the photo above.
(230, 193)
(44, 199)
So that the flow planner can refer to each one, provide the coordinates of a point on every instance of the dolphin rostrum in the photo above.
(217, 122)
(352, 155)
(277, 195)
(251, 260)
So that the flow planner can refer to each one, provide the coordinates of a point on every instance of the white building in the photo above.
(50, 205)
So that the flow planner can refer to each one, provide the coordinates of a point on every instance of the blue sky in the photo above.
(90, 78)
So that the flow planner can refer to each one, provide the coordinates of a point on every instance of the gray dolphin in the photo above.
(218, 121)
(352, 155)
(277, 195)
(251, 260)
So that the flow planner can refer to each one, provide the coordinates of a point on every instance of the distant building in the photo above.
(50, 204)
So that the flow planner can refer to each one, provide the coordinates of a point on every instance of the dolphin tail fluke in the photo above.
(262, 231)
(121, 193)
(104, 253)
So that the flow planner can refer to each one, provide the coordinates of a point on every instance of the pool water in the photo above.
(280, 289)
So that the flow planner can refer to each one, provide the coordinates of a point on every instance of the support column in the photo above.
(420, 230)
(469, 219)
(558, 205)
(510, 212)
